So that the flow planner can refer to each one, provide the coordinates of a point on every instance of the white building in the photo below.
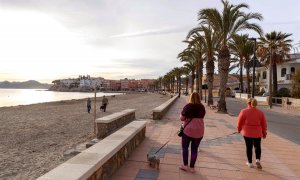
(68, 82)
(284, 72)
(91, 82)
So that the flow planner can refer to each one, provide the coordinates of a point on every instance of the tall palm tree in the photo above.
(207, 37)
(226, 23)
(188, 56)
(274, 45)
(247, 53)
(238, 46)
(186, 72)
(195, 44)
(178, 73)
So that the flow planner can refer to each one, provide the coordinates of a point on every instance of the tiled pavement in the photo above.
(222, 158)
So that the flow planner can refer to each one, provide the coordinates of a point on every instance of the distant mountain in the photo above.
(31, 84)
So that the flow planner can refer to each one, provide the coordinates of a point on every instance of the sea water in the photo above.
(14, 97)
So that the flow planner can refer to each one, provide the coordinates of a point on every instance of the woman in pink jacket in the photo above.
(252, 123)
(192, 116)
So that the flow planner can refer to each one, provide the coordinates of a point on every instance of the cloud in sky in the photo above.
(61, 38)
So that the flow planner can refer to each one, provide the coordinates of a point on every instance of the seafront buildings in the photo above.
(89, 83)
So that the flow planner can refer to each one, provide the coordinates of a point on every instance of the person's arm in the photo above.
(182, 118)
(182, 114)
(240, 121)
(264, 125)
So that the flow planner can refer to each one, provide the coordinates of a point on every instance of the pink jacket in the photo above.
(195, 128)
(252, 123)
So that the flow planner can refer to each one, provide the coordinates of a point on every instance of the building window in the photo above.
(265, 75)
(283, 72)
(292, 70)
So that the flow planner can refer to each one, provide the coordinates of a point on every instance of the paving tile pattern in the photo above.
(221, 155)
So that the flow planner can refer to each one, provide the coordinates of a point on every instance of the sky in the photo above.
(57, 39)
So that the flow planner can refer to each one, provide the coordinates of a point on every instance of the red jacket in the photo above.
(252, 123)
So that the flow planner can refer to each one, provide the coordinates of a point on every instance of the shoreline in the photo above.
(19, 97)
(33, 138)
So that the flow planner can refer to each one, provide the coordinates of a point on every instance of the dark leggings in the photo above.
(185, 142)
(249, 146)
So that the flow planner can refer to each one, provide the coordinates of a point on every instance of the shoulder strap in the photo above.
(188, 123)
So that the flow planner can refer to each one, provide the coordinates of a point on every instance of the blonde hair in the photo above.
(195, 98)
(249, 101)
(254, 102)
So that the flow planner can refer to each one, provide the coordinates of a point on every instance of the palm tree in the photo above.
(188, 56)
(186, 72)
(226, 23)
(239, 44)
(195, 45)
(247, 53)
(207, 37)
(274, 47)
(178, 73)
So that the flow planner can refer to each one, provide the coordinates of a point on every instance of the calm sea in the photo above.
(14, 97)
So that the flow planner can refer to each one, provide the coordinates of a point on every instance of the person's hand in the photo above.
(264, 136)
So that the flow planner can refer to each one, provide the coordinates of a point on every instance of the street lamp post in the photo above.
(253, 65)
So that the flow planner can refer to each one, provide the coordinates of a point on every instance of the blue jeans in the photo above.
(185, 142)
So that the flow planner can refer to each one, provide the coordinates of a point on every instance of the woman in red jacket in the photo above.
(252, 123)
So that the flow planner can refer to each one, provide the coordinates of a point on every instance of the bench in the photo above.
(161, 110)
(109, 124)
(103, 159)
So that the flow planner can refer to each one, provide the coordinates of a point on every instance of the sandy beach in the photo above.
(34, 137)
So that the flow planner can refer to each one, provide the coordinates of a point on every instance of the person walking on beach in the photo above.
(192, 116)
(88, 105)
(104, 103)
(252, 123)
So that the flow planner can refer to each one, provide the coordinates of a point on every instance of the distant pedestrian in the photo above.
(104, 104)
(88, 105)
(192, 116)
(252, 123)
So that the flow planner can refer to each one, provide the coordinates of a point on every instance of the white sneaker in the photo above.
(250, 165)
(258, 165)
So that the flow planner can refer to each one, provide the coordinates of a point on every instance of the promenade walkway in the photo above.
(223, 158)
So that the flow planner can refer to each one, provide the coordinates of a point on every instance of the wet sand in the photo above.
(34, 137)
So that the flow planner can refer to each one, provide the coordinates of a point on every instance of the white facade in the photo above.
(67, 82)
(284, 72)
(90, 82)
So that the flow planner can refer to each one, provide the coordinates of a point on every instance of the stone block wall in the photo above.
(116, 161)
(105, 129)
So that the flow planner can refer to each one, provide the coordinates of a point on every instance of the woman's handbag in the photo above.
(180, 132)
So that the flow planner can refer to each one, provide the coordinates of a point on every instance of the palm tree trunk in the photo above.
(192, 84)
(248, 80)
(179, 87)
(187, 84)
(200, 78)
(275, 85)
(210, 68)
(241, 74)
(197, 83)
(223, 65)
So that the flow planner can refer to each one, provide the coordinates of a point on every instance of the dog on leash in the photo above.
(153, 160)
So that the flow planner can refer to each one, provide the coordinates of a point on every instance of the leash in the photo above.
(222, 136)
(162, 147)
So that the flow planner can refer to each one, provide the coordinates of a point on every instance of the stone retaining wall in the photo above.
(115, 162)
(109, 124)
(161, 110)
(103, 159)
